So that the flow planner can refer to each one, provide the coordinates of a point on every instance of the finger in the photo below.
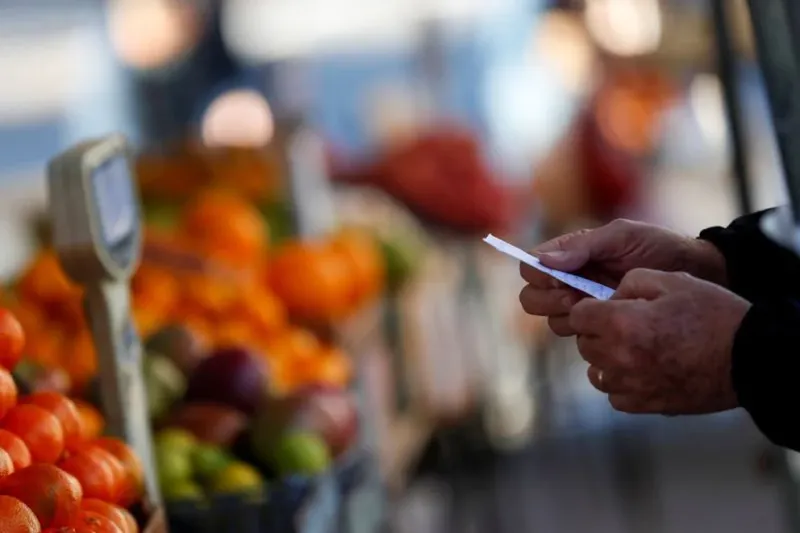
(643, 284)
(614, 381)
(594, 317)
(548, 302)
(597, 351)
(572, 251)
(560, 326)
(568, 253)
(538, 278)
(632, 404)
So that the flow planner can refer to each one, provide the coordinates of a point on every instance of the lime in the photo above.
(208, 461)
(301, 453)
(176, 440)
(173, 467)
(183, 491)
(237, 478)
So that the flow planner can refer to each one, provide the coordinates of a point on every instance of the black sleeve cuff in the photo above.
(765, 368)
(757, 267)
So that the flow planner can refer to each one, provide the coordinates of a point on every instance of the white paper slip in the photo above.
(592, 288)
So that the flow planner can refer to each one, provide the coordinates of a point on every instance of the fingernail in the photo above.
(558, 255)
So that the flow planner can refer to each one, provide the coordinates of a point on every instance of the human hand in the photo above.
(605, 255)
(662, 344)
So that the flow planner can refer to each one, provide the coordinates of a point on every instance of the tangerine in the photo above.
(16, 449)
(226, 227)
(65, 410)
(81, 360)
(264, 310)
(46, 282)
(8, 392)
(334, 367)
(133, 487)
(91, 522)
(39, 429)
(16, 517)
(365, 262)
(94, 473)
(12, 340)
(6, 464)
(119, 516)
(52, 494)
(92, 423)
(313, 283)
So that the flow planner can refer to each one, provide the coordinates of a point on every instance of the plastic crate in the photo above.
(292, 505)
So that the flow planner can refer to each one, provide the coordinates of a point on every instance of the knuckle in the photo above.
(560, 326)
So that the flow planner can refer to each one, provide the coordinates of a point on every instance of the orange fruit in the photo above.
(16, 517)
(39, 429)
(91, 522)
(119, 516)
(212, 296)
(46, 347)
(263, 310)
(46, 282)
(313, 283)
(295, 343)
(92, 423)
(52, 494)
(6, 464)
(16, 449)
(154, 288)
(234, 333)
(226, 227)
(365, 262)
(133, 486)
(81, 360)
(65, 410)
(12, 340)
(94, 473)
(8, 392)
(334, 367)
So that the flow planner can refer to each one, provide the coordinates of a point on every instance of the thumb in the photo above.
(567, 253)
(642, 284)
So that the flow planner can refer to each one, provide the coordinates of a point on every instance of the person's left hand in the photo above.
(662, 344)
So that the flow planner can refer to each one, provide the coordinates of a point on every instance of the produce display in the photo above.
(57, 474)
(245, 382)
(444, 179)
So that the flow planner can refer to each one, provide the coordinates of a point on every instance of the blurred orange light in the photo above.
(238, 118)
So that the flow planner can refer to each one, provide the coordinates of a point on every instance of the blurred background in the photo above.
(425, 124)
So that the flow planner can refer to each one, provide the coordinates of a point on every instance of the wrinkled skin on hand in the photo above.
(606, 254)
(662, 344)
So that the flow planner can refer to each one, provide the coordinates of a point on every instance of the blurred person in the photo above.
(696, 325)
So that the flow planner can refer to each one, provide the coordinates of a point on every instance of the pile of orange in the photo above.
(222, 281)
(55, 473)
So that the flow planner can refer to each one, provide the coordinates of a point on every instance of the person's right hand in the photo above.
(605, 255)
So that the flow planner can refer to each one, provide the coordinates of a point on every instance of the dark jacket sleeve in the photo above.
(766, 367)
(766, 351)
(757, 267)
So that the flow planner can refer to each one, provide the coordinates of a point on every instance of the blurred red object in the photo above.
(444, 179)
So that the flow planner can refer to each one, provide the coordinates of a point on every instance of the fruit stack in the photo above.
(214, 272)
(56, 473)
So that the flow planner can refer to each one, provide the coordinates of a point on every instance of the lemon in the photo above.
(301, 453)
(237, 478)
(183, 491)
(208, 461)
(176, 440)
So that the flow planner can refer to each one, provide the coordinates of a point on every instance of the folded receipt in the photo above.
(592, 288)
